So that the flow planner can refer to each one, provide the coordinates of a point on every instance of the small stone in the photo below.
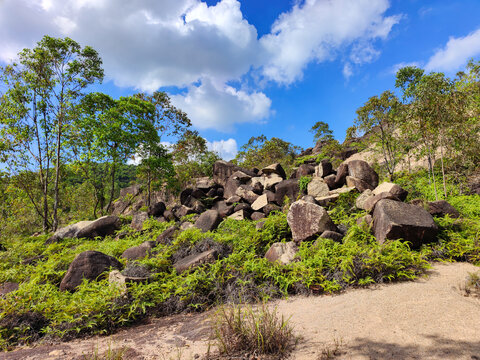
(283, 253)
(260, 202)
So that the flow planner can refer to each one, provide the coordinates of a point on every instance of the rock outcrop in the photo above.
(397, 220)
(104, 226)
(307, 221)
(87, 265)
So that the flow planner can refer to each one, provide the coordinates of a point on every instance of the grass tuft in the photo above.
(244, 331)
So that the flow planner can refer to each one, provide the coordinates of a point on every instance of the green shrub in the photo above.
(303, 183)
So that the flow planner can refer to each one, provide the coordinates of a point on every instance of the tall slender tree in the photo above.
(43, 88)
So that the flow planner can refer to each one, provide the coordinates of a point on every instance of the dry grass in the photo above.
(472, 285)
(109, 354)
(245, 331)
(331, 351)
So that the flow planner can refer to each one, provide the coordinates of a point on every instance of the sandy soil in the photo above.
(426, 319)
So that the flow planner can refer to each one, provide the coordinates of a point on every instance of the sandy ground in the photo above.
(426, 319)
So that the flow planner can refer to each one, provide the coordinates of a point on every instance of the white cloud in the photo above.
(220, 106)
(318, 30)
(347, 70)
(456, 53)
(143, 44)
(226, 149)
(147, 44)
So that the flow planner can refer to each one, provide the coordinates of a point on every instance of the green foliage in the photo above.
(260, 152)
(192, 159)
(241, 275)
(303, 183)
(380, 117)
(321, 132)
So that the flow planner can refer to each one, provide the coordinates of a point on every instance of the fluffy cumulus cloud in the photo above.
(226, 149)
(319, 30)
(456, 53)
(149, 44)
(219, 106)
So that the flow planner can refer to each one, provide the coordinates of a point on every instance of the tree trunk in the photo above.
(57, 177)
(443, 168)
(112, 190)
(149, 181)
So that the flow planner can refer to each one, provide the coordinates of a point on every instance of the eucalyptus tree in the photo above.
(43, 88)
(380, 117)
(156, 167)
(465, 106)
(321, 132)
(431, 99)
(192, 158)
(168, 120)
(107, 133)
(260, 151)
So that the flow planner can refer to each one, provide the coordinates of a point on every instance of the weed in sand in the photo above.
(472, 285)
(239, 330)
(331, 351)
(109, 354)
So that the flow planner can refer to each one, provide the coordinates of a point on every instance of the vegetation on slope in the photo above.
(38, 308)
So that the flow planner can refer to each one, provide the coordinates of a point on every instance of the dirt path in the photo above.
(426, 319)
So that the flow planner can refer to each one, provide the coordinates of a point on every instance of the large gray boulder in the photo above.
(222, 170)
(191, 261)
(204, 183)
(260, 203)
(286, 188)
(223, 208)
(68, 232)
(361, 170)
(140, 251)
(104, 226)
(87, 265)
(441, 208)
(138, 219)
(358, 184)
(231, 187)
(274, 169)
(342, 173)
(364, 196)
(127, 197)
(372, 201)
(271, 180)
(397, 220)
(208, 221)
(323, 169)
(304, 170)
(307, 221)
(392, 188)
(246, 193)
(317, 187)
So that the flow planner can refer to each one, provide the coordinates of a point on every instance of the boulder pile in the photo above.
(239, 194)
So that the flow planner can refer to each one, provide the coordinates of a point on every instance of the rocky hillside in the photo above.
(243, 235)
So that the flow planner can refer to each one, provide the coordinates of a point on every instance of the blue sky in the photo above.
(245, 68)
